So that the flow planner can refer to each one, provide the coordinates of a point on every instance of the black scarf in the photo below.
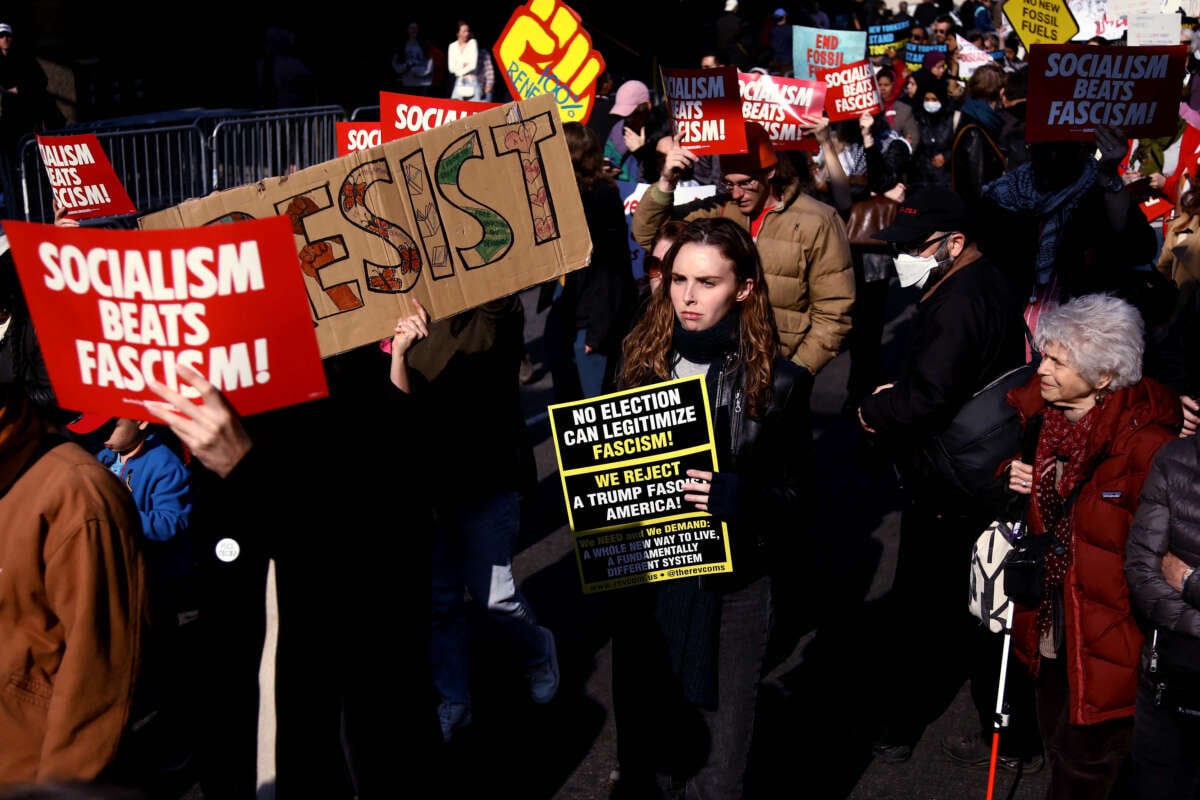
(706, 346)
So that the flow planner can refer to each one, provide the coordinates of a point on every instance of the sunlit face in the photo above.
(657, 255)
(749, 192)
(704, 286)
(1062, 385)
(124, 437)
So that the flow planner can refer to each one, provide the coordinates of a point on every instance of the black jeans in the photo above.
(1166, 750)
(690, 752)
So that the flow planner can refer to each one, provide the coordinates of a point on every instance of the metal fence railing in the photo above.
(164, 159)
(158, 167)
(267, 144)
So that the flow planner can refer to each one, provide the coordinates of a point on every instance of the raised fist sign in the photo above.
(545, 50)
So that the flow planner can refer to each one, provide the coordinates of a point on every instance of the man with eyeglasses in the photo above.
(968, 330)
(802, 241)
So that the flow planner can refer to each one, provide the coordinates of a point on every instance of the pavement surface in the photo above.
(816, 720)
(815, 730)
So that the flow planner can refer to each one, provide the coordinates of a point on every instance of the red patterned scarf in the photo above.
(1059, 441)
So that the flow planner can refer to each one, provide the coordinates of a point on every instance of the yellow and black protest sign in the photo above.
(623, 459)
(1041, 21)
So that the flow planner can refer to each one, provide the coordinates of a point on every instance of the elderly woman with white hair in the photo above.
(1098, 423)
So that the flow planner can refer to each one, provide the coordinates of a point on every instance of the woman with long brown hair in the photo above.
(688, 653)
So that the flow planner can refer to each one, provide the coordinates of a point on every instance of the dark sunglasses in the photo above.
(913, 248)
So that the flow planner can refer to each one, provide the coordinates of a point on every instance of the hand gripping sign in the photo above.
(115, 308)
(545, 50)
(81, 177)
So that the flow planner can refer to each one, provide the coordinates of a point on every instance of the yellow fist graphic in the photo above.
(545, 50)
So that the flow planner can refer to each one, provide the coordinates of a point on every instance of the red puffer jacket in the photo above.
(1102, 640)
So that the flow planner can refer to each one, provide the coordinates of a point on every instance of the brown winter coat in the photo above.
(72, 605)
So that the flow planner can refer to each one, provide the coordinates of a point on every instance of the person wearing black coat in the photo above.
(976, 158)
(968, 330)
(689, 652)
(1161, 554)
(600, 298)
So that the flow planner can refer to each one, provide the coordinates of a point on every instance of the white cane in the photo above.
(1000, 719)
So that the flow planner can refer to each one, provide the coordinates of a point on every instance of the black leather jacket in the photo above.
(765, 465)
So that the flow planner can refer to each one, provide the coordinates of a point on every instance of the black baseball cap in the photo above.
(923, 212)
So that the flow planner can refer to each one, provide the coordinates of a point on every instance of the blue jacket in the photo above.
(161, 487)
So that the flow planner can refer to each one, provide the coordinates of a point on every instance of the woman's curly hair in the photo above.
(647, 348)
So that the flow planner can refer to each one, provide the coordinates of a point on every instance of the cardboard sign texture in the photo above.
(456, 216)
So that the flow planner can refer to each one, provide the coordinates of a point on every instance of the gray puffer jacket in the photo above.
(1167, 520)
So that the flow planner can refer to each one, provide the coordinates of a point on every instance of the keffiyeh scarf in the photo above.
(1016, 191)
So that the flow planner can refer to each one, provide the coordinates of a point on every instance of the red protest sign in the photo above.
(114, 307)
(82, 179)
(779, 105)
(706, 109)
(403, 115)
(1075, 88)
(851, 90)
(355, 136)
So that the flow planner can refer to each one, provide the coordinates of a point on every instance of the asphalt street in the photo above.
(816, 721)
(820, 701)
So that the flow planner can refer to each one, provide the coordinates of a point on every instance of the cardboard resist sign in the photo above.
(778, 104)
(1074, 88)
(455, 216)
(81, 177)
(850, 91)
(545, 49)
(623, 458)
(405, 114)
(115, 307)
(705, 109)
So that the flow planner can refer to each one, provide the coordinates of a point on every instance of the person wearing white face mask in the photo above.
(968, 330)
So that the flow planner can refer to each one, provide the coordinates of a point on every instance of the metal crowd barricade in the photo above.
(265, 144)
(159, 166)
(167, 157)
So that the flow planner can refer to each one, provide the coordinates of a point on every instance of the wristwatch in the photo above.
(1114, 184)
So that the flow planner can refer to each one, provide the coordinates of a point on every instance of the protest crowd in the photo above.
(921, 164)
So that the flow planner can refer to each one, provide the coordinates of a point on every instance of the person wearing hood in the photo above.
(935, 122)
